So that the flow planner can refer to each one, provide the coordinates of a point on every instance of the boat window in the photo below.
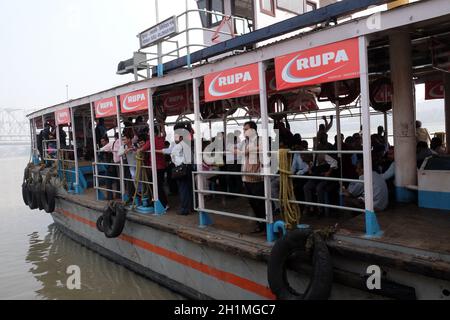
(293, 6)
(210, 19)
(310, 6)
(267, 7)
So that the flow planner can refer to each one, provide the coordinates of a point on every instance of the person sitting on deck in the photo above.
(422, 133)
(436, 146)
(423, 152)
(354, 194)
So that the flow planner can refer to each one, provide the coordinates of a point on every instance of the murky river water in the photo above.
(34, 255)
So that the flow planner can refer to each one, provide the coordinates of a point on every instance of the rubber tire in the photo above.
(99, 224)
(48, 197)
(321, 282)
(34, 196)
(114, 220)
(38, 190)
(374, 87)
(25, 198)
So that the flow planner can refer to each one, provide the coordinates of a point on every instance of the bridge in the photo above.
(14, 126)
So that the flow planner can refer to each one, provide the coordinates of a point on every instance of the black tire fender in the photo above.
(99, 224)
(321, 279)
(48, 197)
(33, 193)
(114, 218)
(25, 198)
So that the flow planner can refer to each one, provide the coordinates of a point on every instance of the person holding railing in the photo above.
(253, 184)
(128, 150)
(145, 146)
(111, 149)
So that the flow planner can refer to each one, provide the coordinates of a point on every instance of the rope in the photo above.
(290, 212)
(146, 190)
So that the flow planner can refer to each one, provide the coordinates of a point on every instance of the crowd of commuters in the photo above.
(241, 157)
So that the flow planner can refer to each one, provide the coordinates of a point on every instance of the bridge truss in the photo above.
(14, 126)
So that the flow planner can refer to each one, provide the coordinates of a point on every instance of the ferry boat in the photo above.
(271, 62)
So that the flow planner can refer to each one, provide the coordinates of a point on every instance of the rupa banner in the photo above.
(105, 107)
(236, 82)
(434, 90)
(62, 116)
(332, 62)
(134, 101)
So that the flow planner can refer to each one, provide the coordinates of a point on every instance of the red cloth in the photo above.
(159, 145)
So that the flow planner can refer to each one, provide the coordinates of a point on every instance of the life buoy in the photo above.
(386, 103)
(273, 101)
(114, 218)
(33, 194)
(348, 95)
(48, 197)
(285, 249)
(25, 197)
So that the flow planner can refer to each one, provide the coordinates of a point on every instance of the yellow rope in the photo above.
(290, 212)
(141, 173)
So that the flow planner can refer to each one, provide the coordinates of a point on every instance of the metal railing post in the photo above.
(205, 219)
(94, 138)
(121, 169)
(76, 187)
(158, 207)
(265, 149)
(372, 227)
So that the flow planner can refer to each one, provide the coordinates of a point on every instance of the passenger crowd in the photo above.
(242, 159)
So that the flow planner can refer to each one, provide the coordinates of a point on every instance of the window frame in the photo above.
(287, 10)
(312, 4)
(262, 10)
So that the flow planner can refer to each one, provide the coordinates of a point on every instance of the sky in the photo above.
(48, 44)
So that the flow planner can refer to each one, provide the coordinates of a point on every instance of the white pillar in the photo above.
(121, 168)
(447, 109)
(403, 113)
(157, 205)
(265, 140)
(94, 140)
(76, 187)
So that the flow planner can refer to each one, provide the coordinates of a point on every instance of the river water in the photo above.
(34, 255)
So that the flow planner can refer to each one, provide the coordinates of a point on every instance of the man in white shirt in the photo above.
(129, 151)
(113, 169)
(354, 194)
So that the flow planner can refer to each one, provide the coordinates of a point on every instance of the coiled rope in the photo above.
(290, 212)
(146, 190)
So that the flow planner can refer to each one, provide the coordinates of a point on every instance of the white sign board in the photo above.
(154, 34)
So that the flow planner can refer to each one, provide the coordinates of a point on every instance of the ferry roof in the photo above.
(425, 13)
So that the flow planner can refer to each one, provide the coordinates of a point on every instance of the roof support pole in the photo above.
(403, 114)
(265, 148)
(372, 227)
(94, 142)
(159, 208)
(76, 187)
(121, 168)
(205, 219)
(446, 76)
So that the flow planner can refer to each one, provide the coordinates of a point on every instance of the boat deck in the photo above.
(415, 239)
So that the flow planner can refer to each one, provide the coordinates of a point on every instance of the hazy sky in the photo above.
(47, 44)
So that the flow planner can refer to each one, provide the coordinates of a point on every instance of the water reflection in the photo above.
(100, 279)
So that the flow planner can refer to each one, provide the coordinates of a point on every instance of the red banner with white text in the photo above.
(62, 116)
(105, 107)
(232, 83)
(332, 62)
(134, 101)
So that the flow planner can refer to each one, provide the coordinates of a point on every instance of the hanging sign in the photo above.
(434, 90)
(156, 33)
(236, 82)
(105, 107)
(134, 101)
(328, 63)
(62, 116)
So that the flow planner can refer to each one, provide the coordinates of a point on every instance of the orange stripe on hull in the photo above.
(224, 276)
